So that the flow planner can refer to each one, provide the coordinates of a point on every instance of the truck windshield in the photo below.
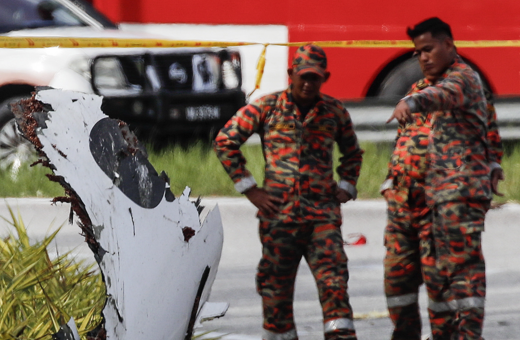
(28, 14)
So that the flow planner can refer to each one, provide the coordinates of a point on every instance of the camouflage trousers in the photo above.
(409, 259)
(456, 301)
(283, 246)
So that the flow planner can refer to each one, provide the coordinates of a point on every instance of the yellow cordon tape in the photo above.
(259, 70)
(40, 42)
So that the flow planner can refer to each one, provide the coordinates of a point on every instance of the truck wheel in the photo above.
(398, 82)
(13, 147)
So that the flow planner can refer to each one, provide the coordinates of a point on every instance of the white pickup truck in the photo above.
(161, 93)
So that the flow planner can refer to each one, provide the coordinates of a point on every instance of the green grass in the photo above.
(510, 187)
(27, 181)
(199, 168)
(373, 169)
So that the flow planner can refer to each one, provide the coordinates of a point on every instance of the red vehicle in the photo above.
(358, 72)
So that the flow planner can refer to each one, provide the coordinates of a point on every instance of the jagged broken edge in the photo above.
(30, 114)
(26, 112)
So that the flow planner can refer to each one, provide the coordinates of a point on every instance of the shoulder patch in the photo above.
(283, 126)
(421, 84)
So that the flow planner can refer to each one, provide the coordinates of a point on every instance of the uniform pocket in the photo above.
(461, 218)
(462, 173)
(280, 140)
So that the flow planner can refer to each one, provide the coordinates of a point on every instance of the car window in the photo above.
(91, 11)
(26, 14)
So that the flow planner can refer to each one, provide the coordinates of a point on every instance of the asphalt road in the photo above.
(235, 282)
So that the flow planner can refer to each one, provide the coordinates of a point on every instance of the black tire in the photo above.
(397, 83)
(13, 147)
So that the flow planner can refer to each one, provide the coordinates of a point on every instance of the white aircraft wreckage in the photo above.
(157, 258)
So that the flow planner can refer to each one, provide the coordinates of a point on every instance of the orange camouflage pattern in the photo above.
(409, 160)
(409, 259)
(321, 244)
(298, 169)
(310, 58)
(464, 147)
(410, 252)
(408, 235)
(298, 155)
(464, 140)
(457, 293)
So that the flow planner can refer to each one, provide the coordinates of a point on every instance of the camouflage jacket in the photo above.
(464, 145)
(408, 163)
(298, 155)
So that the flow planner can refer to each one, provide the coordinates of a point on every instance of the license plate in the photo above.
(207, 112)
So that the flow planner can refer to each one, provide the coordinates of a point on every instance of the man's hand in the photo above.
(266, 203)
(401, 113)
(496, 175)
(343, 196)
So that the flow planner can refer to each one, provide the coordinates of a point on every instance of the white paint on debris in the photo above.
(152, 273)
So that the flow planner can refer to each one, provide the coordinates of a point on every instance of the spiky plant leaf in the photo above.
(38, 293)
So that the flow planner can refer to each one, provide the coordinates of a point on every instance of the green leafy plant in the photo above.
(39, 293)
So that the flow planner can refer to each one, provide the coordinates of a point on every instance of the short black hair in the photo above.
(434, 25)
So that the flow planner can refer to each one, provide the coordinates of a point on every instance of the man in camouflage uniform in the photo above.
(409, 244)
(410, 254)
(464, 153)
(299, 203)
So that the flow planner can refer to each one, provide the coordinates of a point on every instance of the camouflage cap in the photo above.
(310, 58)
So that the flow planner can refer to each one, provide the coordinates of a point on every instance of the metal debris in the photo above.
(157, 258)
(67, 331)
